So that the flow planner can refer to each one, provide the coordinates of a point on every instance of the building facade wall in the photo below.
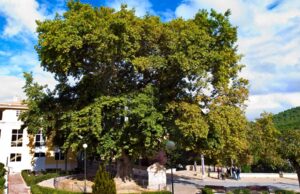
(10, 152)
(8, 123)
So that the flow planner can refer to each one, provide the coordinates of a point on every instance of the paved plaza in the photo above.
(185, 182)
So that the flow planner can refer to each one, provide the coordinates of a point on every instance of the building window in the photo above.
(18, 112)
(39, 139)
(39, 154)
(0, 133)
(59, 156)
(17, 138)
(1, 113)
(15, 157)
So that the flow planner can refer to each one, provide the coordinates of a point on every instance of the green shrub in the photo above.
(2, 182)
(103, 182)
(207, 191)
(2, 170)
(242, 191)
(36, 189)
(32, 179)
(284, 192)
(246, 168)
(2, 178)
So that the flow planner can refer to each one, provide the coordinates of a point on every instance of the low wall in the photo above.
(198, 168)
(290, 175)
(53, 181)
(169, 170)
(268, 175)
(262, 175)
(140, 172)
(259, 175)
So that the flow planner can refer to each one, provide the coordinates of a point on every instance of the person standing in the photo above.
(234, 173)
(228, 172)
(218, 170)
(238, 172)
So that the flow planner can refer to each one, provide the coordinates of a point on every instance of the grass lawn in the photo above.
(33, 179)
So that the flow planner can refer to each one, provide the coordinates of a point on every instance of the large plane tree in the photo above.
(126, 84)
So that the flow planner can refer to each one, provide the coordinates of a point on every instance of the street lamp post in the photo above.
(170, 146)
(84, 147)
(203, 166)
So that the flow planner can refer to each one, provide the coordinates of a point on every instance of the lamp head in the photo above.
(170, 145)
(84, 145)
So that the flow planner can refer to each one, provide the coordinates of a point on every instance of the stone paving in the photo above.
(16, 184)
(187, 182)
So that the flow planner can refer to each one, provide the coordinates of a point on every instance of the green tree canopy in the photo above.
(126, 84)
(263, 136)
(288, 123)
(274, 146)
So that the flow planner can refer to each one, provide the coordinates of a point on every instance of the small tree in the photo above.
(103, 182)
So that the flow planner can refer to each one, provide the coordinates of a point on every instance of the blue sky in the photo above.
(268, 33)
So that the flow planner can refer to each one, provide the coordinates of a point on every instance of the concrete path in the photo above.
(16, 184)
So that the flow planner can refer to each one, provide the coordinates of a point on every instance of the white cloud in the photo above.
(11, 73)
(12, 87)
(43, 77)
(14, 84)
(141, 7)
(238, 8)
(16, 63)
(20, 16)
(269, 40)
(272, 102)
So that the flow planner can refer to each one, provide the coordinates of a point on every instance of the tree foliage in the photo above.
(288, 123)
(125, 83)
(264, 140)
(276, 146)
(227, 138)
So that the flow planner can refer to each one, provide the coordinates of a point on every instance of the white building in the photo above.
(18, 152)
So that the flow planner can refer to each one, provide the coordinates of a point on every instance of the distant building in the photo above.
(19, 150)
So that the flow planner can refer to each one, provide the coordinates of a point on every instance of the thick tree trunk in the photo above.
(296, 166)
(124, 168)
(298, 174)
(66, 161)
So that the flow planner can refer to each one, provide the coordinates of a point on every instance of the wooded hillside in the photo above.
(288, 119)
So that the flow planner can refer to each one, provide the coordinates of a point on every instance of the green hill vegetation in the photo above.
(288, 119)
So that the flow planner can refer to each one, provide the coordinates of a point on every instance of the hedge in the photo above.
(284, 192)
(32, 179)
(207, 190)
(242, 191)
(36, 189)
